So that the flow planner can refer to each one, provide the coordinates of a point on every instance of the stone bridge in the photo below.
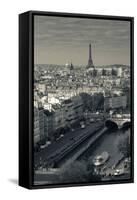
(117, 122)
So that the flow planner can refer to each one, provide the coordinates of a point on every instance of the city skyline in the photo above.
(58, 40)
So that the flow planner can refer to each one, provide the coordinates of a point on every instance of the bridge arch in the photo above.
(115, 124)
(126, 124)
(111, 124)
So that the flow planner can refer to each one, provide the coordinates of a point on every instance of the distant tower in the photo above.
(71, 66)
(90, 62)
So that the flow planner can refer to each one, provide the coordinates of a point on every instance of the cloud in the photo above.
(52, 33)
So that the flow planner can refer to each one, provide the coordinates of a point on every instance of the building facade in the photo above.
(36, 126)
(115, 102)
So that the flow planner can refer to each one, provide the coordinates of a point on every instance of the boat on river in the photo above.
(101, 159)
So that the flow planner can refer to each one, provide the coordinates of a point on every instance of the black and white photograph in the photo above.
(82, 124)
(68, 100)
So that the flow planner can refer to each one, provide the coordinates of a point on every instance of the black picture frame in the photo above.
(26, 69)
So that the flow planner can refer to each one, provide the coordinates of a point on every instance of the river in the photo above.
(108, 142)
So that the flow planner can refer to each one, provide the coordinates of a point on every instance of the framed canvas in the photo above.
(75, 99)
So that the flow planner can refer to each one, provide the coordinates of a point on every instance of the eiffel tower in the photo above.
(90, 61)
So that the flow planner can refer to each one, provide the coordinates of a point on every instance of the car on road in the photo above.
(101, 159)
(45, 145)
(83, 126)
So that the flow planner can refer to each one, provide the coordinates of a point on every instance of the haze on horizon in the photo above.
(59, 40)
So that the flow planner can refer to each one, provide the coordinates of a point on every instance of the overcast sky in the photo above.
(58, 40)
